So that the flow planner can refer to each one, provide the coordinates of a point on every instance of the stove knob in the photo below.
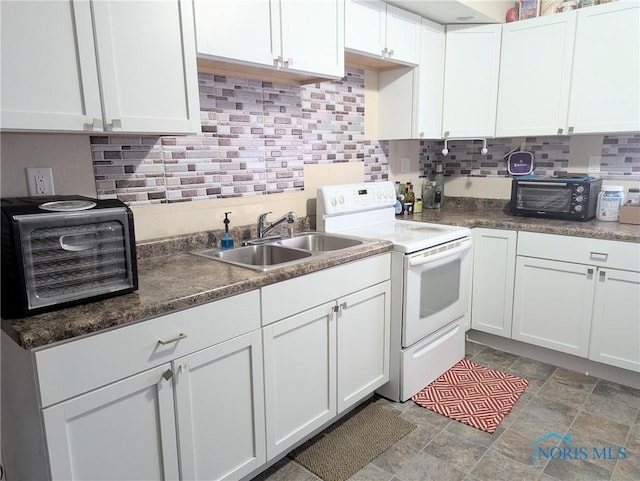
(579, 189)
(579, 198)
(334, 202)
(341, 200)
(578, 208)
(379, 195)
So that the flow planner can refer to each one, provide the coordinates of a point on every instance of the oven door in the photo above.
(437, 288)
(542, 197)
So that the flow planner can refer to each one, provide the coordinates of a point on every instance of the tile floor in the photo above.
(595, 412)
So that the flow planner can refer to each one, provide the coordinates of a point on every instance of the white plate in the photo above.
(67, 205)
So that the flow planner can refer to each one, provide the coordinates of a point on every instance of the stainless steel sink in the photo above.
(273, 253)
(318, 242)
(261, 257)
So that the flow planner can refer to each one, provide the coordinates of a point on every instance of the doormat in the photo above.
(473, 394)
(345, 448)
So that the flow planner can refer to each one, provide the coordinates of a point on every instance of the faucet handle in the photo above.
(263, 217)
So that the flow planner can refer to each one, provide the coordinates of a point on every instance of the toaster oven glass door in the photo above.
(546, 197)
(73, 256)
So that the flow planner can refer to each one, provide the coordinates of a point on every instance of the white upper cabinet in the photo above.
(535, 75)
(410, 98)
(380, 30)
(605, 92)
(472, 64)
(430, 81)
(146, 52)
(99, 66)
(306, 37)
(49, 76)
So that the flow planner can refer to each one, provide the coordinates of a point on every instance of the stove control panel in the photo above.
(347, 198)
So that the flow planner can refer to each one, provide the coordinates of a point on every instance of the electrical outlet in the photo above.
(406, 165)
(40, 181)
(593, 166)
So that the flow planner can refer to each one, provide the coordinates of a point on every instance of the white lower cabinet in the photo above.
(580, 296)
(300, 376)
(323, 353)
(122, 431)
(363, 327)
(206, 393)
(220, 410)
(615, 326)
(175, 397)
(494, 266)
(552, 304)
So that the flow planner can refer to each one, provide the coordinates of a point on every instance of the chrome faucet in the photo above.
(265, 227)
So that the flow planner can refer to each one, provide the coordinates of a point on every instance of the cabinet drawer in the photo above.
(296, 295)
(597, 252)
(79, 366)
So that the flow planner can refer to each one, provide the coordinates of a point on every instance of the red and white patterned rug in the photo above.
(473, 394)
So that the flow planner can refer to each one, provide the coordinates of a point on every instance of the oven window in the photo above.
(548, 199)
(439, 288)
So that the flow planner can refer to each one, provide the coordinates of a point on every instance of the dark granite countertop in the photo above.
(171, 280)
(498, 219)
(167, 284)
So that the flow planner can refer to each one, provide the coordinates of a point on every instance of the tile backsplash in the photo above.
(620, 158)
(256, 138)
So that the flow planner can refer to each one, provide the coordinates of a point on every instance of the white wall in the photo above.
(69, 156)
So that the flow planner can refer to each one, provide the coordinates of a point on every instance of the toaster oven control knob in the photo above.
(579, 189)
(578, 208)
(579, 198)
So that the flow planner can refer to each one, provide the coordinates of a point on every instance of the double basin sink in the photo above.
(282, 252)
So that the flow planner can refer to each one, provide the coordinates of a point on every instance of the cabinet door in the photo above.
(224, 28)
(535, 74)
(606, 70)
(363, 343)
(494, 267)
(220, 409)
(396, 103)
(472, 64)
(147, 61)
(313, 36)
(299, 376)
(403, 35)
(49, 73)
(615, 329)
(365, 23)
(552, 304)
(125, 430)
(430, 80)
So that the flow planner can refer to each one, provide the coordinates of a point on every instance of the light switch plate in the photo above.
(593, 166)
(406, 165)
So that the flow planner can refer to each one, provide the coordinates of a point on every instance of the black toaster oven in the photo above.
(555, 198)
(63, 250)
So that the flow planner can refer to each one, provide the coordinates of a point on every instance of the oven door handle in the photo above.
(426, 257)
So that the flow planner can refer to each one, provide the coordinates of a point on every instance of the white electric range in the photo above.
(430, 280)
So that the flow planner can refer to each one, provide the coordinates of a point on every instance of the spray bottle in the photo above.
(227, 241)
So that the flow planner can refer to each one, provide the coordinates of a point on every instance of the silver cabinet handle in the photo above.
(390, 54)
(288, 63)
(589, 273)
(168, 374)
(570, 130)
(560, 131)
(599, 256)
(180, 336)
(603, 276)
